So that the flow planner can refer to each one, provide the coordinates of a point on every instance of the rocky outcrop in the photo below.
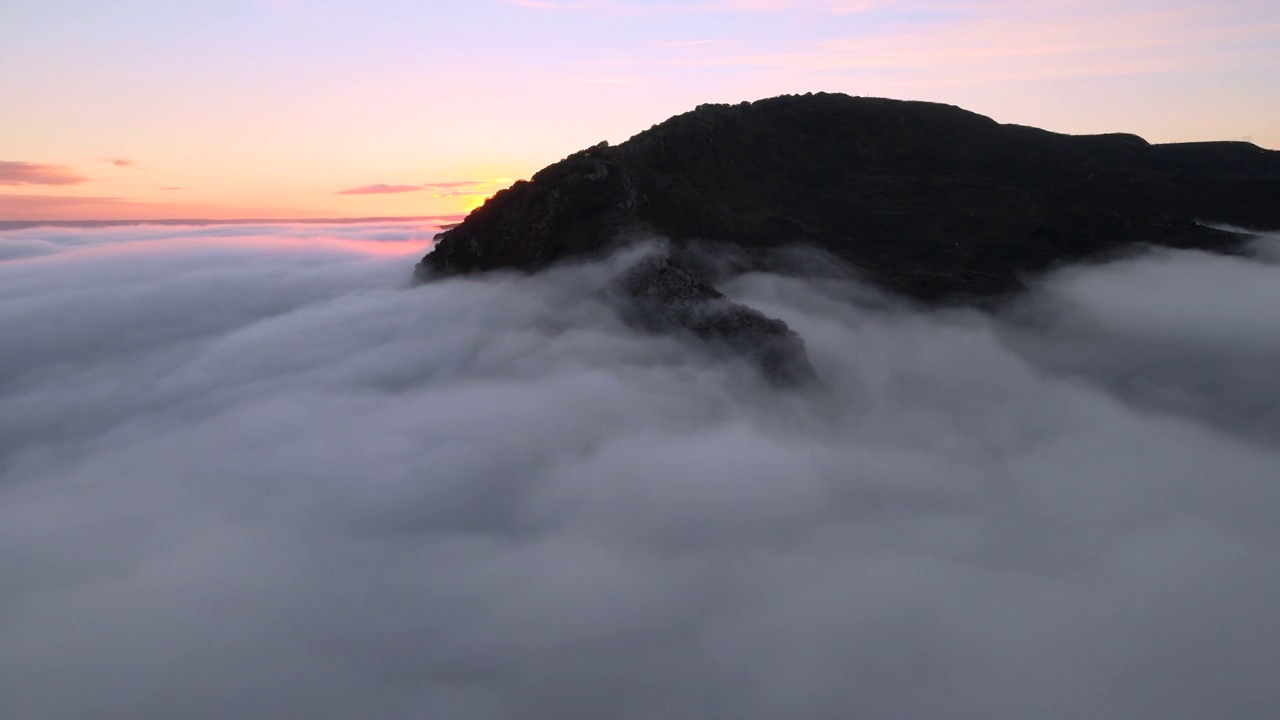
(928, 200)
(661, 296)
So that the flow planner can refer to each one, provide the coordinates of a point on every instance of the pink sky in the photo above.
(333, 108)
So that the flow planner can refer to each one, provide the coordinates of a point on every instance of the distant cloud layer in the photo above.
(27, 173)
(39, 206)
(20, 206)
(251, 471)
(380, 189)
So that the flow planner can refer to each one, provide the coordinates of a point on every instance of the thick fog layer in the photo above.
(251, 472)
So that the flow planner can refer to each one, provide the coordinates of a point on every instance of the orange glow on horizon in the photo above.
(306, 110)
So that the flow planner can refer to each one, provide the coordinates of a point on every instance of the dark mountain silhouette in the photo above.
(928, 201)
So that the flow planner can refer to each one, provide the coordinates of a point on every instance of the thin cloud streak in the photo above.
(1005, 43)
(381, 189)
(467, 188)
(450, 188)
(28, 173)
(454, 184)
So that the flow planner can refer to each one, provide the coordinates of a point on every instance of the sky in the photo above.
(250, 471)
(335, 108)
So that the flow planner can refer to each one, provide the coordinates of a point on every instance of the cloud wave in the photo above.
(250, 471)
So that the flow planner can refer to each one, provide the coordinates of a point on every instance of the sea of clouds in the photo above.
(252, 472)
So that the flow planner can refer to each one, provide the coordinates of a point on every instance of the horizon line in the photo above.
(27, 224)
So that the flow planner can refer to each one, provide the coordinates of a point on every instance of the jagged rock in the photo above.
(661, 296)
(927, 200)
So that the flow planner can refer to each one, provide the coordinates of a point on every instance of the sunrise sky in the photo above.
(141, 109)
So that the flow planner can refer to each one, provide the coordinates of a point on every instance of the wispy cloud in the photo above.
(381, 189)
(26, 173)
(999, 41)
(466, 188)
(920, 44)
(448, 188)
(121, 162)
(454, 184)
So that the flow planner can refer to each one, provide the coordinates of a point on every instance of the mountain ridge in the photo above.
(927, 200)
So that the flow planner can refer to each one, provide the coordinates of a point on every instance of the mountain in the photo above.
(930, 200)
(926, 200)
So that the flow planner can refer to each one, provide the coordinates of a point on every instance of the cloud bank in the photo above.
(250, 471)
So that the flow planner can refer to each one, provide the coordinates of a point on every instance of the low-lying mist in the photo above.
(252, 472)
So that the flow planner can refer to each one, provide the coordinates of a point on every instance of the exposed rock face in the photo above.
(928, 200)
(664, 297)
